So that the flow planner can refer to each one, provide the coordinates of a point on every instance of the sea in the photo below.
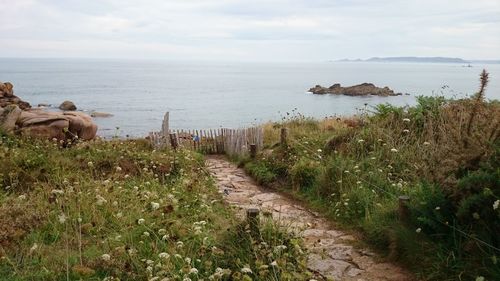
(211, 95)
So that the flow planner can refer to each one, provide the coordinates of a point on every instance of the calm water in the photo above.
(213, 95)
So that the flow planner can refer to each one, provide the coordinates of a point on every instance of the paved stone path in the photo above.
(331, 254)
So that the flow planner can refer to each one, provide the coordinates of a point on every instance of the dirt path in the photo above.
(330, 252)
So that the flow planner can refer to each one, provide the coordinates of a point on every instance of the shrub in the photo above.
(304, 173)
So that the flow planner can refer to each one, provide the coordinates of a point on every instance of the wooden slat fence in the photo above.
(211, 141)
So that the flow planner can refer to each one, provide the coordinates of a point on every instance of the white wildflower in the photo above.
(22, 197)
(62, 218)
(90, 164)
(145, 233)
(141, 221)
(163, 255)
(274, 263)
(361, 141)
(246, 270)
(406, 120)
(394, 150)
(155, 205)
(105, 257)
(426, 143)
(418, 230)
(193, 271)
(495, 204)
(406, 131)
(118, 169)
(100, 200)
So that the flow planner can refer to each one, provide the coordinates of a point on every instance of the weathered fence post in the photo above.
(253, 150)
(253, 221)
(404, 212)
(284, 135)
(173, 141)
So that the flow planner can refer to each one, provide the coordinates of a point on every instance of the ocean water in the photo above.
(201, 95)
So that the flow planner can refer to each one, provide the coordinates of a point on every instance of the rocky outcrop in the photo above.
(67, 106)
(16, 118)
(365, 89)
(7, 97)
(97, 114)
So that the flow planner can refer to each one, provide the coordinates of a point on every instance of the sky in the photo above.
(252, 30)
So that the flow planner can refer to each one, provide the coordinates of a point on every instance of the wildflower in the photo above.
(62, 218)
(438, 208)
(180, 244)
(426, 143)
(90, 164)
(155, 205)
(361, 141)
(127, 175)
(100, 200)
(57, 191)
(187, 260)
(118, 169)
(476, 216)
(193, 271)
(346, 171)
(105, 257)
(480, 278)
(162, 231)
(358, 182)
(394, 150)
(406, 120)
(186, 279)
(274, 263)
(406, 131)
(164, 237)
(141, 221)
(495, 204)
(145, 233)
(163, 255)
(246, 270)
(33, 248)
(22, 197)
(418, 230)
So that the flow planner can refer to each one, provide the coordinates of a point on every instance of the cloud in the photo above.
(294, 30)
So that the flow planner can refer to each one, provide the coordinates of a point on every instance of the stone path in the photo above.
(331, 254)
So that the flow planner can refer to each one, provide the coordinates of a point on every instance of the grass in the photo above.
(443, 154)
(119, 210)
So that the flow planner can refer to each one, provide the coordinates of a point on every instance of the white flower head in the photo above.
(406, 120)
(193, 271)
(141, 221)
(246, 270)
(62, 218)
(155, 206)
(105, 257)
(163, 255)
(418, 230)
(394, 150)
(495, 204)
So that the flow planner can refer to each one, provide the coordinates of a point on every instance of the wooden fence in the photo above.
(210, 141)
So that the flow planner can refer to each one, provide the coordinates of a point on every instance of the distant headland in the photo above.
(420, 60)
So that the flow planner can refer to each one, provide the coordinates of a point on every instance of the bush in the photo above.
(304, 173)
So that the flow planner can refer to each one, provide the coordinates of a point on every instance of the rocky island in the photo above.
(364, 89)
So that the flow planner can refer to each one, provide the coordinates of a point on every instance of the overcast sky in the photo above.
(251, 30)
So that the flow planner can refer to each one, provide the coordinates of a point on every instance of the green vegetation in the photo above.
(443, 154)
(119, 210)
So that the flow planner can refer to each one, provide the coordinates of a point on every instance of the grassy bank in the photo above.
(443, 154)
(119, 210)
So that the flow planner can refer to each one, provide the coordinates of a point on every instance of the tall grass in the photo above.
(119, 210)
